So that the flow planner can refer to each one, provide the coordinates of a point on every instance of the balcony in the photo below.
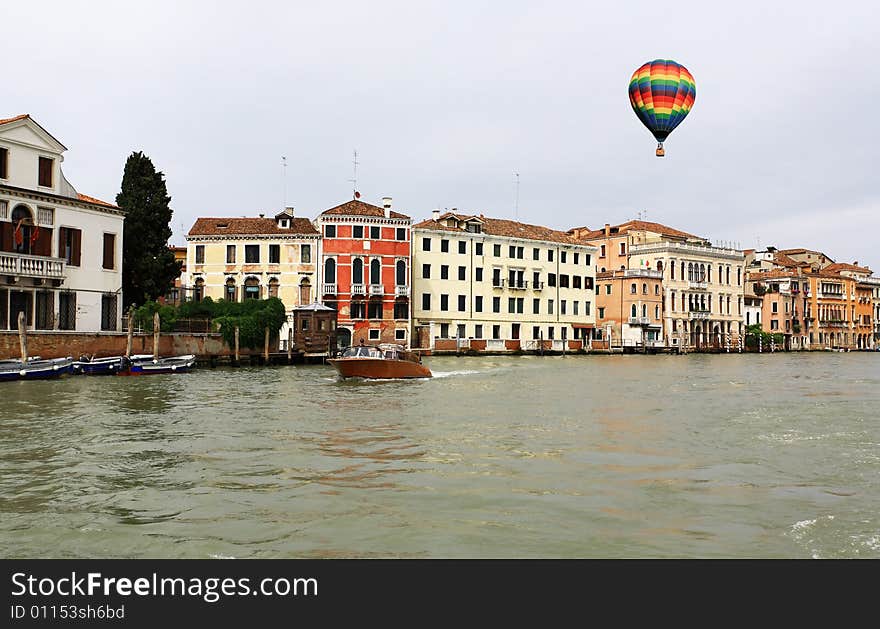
(537, 285)
(698, 285)
(31, 266)
(832, 323)
(497, 283)
(521, 285)
(401, 291)
(376, 290)
(358, 289)
(698, 314)
(643, 273)
(329, 289)
(640, 320)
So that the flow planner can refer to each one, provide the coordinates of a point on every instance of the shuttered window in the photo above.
(109, 251)
(45, 172)
(4, 160)
(70, 245)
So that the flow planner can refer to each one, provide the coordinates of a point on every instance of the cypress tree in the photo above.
(148, 266)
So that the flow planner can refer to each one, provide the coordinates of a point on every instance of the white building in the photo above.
(60, 251)
(488, 283)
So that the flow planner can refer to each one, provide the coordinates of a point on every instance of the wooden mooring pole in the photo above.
(289, 344)
(130, 332)
(22, 336)
(236, 346)
(266, 346)
(156, 327)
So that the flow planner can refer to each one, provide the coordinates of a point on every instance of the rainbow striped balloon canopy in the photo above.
(662, 93)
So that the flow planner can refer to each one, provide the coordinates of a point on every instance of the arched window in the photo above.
(230, 290)
(660, 265)
(682, 270)
(656, 312)
(22, 229)
(330, 271)
(357, 271)
(644, 289)
(656, 289)
(199, 292)
(401, 273)
(702, 273)
(632, 288)
(728, 275)
(305, 291)
(375, 271)
(690, 272)
(252, 288)
(633, 312)
(644, 310)
(708, 272)
(273, 288)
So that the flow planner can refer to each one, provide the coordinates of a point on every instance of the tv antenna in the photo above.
(516, 202)
(283, 182)
(354, 179)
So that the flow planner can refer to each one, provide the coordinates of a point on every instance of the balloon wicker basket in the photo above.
(660, 151)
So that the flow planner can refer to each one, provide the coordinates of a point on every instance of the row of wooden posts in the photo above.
(22, 339)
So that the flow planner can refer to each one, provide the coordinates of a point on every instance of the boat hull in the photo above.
(178, 364)
(100, 366)
(36, 370)
(379, 368)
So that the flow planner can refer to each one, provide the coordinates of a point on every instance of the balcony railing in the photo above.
(643, 273)
(358, 289)
(31, 266)
(401, 291)
(329, 289)
(498, 283)
(377, 289)
(537, 285)
(698, 314)
(640, 320)
(521, 285)
(698, 285)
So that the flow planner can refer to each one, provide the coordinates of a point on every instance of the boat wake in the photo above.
(448, 374)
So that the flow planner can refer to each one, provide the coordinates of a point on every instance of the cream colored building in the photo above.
(702, 284)
(497, 284)
(253, 258)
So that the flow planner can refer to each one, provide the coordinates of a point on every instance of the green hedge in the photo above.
(251, 316)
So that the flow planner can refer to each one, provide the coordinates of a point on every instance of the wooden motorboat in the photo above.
(35, 369)
(386, 362)
(145, 364)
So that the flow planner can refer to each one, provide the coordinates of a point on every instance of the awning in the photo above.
(583, 325)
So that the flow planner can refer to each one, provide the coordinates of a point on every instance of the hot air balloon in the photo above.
(662, 92)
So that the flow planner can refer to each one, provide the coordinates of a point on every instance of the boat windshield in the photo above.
(362, 351)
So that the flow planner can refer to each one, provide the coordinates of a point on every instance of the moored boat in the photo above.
(387, 361)
(143, 365)
(99, 366)
(35, 369)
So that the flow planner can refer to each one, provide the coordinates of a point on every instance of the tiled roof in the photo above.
(783, 260)
(636, 225)
(842, 266)
(502, 227)
(88, 199)
(359, 208)
(754, 276)
(249, 227)
(13, 119)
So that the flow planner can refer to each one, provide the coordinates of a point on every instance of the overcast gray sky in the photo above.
(444, 102)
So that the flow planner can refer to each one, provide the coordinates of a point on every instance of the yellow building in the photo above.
(485, 284)
(253, 258)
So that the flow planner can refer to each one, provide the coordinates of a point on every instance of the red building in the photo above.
(365, 271)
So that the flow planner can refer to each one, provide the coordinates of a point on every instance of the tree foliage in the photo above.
(252, 316)
(754, 332)
(148, 266)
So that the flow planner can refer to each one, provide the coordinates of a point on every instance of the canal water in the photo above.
(579, 456)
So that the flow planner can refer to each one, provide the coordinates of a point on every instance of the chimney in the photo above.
(607, 229)
(289, 211)
(262, 215)
(855, 263)
(386, 203)
(435, 214)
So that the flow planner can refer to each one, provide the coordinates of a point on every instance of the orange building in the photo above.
(831, 302)
(177, 294)
(629, 307)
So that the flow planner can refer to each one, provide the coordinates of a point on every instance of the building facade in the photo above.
(629, 307)
(783, 294)
(702, 284)
(60, 250)
(253, 258)
(483, 283)
(365, 271)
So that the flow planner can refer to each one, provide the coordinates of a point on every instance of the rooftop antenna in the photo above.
(284, 182)
(516, 203)
(354, 180)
